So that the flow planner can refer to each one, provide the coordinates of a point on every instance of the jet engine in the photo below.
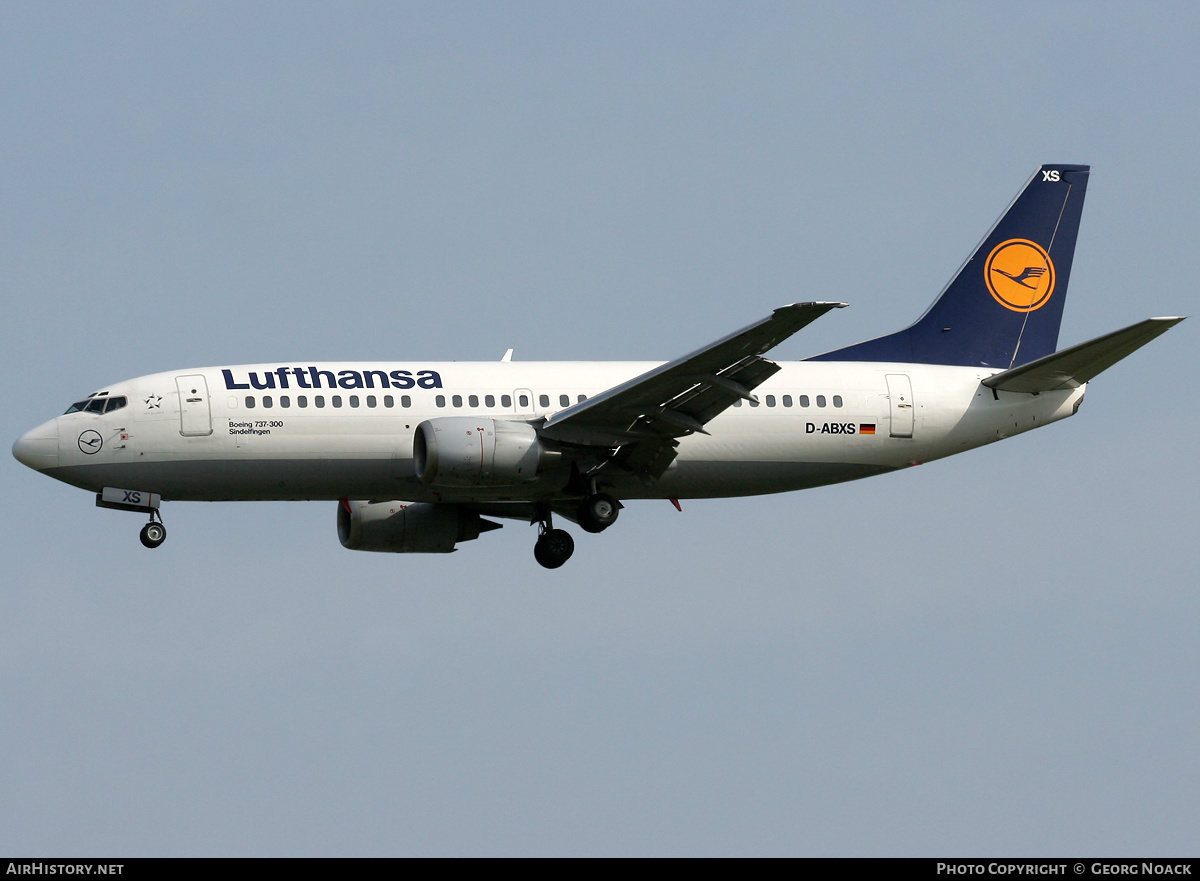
(407, 527)
(477, 451)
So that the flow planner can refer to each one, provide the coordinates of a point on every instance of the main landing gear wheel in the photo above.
(153, 534)
(554, 547)
(598, 512)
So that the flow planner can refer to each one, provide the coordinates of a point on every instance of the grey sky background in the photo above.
(992, 654)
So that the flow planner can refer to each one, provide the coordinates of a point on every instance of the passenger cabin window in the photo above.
(820, 400)
(372, 401)
(544, 400)
(522, 401)
(473, 401)
(770, 400)
(804, 400)
(336, 400)
(267, 400)
(457, 400)
(319, 400)
(285, 401)
(301, 401)
(581, 398)
(489, 400)
(440, 400)
(837, 400)
(354, 400)
(405, 401)
(389, 401)
(564, 400)
(249, 402)
(787, 400)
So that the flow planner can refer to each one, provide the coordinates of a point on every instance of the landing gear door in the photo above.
(195, 413)
(900, 404)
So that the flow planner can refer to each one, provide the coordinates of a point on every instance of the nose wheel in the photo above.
(153, 534)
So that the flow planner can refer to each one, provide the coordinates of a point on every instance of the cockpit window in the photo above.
(98, 405)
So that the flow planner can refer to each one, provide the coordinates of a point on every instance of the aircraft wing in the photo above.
(1076, 365)
(644, 416)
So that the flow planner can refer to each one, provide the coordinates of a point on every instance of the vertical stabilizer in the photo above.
(1004, 306)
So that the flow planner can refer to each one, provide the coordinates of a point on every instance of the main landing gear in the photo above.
(598, 512)
(153, 533)
(554, 546)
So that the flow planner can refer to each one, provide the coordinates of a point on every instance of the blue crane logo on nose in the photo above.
(90, 442)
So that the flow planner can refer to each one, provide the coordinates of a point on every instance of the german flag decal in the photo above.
(866, 428)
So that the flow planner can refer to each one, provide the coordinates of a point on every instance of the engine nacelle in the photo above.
(407, 527)
(477, 451)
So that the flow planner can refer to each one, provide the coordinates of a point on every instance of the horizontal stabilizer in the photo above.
(1072, 367)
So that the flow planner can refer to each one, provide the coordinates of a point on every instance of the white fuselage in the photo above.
(345, 430)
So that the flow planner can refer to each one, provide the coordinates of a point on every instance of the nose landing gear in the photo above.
(153, 533)
(142, 502)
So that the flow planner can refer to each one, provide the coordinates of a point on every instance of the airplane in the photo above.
(418, 456)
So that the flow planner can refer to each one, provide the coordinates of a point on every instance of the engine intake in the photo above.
(478, 451)
(407, 527)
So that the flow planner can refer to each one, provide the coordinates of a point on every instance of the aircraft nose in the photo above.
(38, 448)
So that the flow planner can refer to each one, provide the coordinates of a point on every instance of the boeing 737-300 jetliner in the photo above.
(419, 455)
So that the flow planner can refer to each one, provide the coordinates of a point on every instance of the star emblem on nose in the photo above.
(153, 402)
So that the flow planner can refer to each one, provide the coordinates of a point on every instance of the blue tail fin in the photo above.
(1004, 306)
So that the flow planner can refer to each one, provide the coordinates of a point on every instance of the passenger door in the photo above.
(195, 413)
(900, 404)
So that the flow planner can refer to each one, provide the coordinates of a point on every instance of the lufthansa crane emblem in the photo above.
(90, 442)
(1020, 275)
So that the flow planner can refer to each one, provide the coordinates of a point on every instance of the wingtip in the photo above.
(829, 304)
